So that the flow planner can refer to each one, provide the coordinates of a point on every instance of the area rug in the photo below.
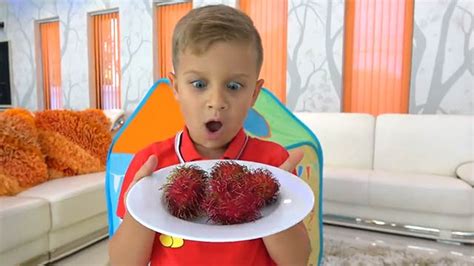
(338, 252)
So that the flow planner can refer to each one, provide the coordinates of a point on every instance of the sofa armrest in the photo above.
(465, 171)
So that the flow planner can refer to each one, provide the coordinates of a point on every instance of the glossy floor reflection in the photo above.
(374, 248)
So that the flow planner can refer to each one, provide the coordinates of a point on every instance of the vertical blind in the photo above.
(271, 20)
(166, 18)
(377, 56)
(106, 35)
(51, 64)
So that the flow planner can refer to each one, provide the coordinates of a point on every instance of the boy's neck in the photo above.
(208, 153)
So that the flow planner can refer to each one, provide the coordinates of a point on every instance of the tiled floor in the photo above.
(97, 253)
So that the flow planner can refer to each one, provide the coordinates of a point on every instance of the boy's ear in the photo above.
(256, 92)
(174, 85)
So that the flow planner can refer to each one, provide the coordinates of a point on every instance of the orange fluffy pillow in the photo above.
(22, 164)
(74, 142)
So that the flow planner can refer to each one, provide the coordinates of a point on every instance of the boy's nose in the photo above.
(217, 101)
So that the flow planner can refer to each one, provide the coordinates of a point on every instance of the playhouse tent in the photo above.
(158, 117)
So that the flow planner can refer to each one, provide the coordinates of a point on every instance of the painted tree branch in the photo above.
(148, 7)
(27, 97)
(329, 43)
(419, 48)
(292, 61)
(295, 79)
(106, 3)
(67, 93)
(131, 53)
(438, 88)
(313, 72)
(67, 28)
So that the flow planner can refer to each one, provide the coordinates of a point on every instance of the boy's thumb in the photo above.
(147, 168)
(294, 158)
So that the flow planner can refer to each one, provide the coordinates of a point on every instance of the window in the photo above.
(106, 60)
(166, 17)
(271, 20)
(51, 64)
(377, 56)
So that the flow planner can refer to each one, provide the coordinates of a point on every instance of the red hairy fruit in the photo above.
(228, 169)
(185, 191)
(229, 201)
(264, 185)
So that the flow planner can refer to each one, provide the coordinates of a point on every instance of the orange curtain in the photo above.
(167, 16)
(271, 19)
(51, 63)
(377, 56)
(106, 34)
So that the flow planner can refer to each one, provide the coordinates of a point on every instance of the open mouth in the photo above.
(213, 126)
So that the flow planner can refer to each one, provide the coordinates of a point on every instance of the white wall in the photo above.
(315, 36)
(136, 48)
(136, 29)
(3, 18)
(198, 3)
(442, 78)
(314, 77)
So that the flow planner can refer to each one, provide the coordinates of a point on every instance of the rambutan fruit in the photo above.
(228, 169)
(229, 201)
(184, 191)
(264, 185)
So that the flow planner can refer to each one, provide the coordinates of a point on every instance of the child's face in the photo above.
(215, 91)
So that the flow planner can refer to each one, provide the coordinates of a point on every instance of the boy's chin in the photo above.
(215, 143)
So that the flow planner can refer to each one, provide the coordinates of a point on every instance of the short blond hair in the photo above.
(204, 26)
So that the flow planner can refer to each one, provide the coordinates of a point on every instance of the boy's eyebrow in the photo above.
(238, 75)
(192, 72)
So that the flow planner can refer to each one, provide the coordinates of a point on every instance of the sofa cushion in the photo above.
(22, 220)
(72, 199)
(347, 139)
(424, 144)
(22, 163)
(340, 184)
(74, 142)
(465, 171)
(423, 193)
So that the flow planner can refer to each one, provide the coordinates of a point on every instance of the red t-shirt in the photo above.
(175, 251)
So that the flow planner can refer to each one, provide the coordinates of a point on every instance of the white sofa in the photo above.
(53, 219)
(397, 173)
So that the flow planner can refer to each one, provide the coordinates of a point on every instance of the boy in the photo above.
(217, 56)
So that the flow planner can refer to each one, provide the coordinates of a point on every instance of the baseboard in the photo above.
(400, 229)
(38, 260)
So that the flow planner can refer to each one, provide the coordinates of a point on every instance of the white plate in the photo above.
(145, 204)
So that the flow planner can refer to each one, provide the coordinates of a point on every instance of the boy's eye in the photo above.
(234, 85)
(199, 84)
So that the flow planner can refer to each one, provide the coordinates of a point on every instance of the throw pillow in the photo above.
(22, 163)
(465, 171)
(74, 142)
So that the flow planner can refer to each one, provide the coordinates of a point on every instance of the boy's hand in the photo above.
(147, 169)
(293, 160)
(291, 246)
